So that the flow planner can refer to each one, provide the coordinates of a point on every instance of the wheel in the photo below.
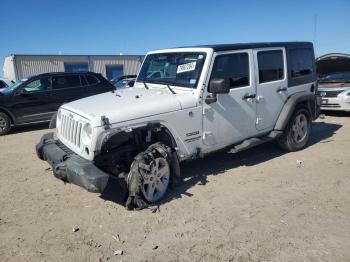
(156, 181)
(297, 133)
(149, 176)
(5, 124)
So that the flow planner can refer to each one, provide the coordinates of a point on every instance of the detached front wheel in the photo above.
(149, 176)
(156, 181)
(297, 133)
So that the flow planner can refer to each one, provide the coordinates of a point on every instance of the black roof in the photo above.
(226, 47)
(62, 73)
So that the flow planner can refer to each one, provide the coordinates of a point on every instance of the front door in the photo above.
(232, 118)
(32, 101)
(272, 86)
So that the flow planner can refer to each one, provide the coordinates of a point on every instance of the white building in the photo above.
(17, 67)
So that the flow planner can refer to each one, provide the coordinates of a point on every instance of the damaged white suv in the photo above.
(186, 103)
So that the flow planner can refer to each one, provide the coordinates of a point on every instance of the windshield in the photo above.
(178, 69)
(13, 86)
(335, 78)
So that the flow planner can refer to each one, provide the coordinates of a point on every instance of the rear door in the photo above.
(97, 85)
(272, 84)
(66, 88)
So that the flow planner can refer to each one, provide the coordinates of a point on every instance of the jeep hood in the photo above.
(129, 104)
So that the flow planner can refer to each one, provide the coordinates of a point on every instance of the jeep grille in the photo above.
(70, 130)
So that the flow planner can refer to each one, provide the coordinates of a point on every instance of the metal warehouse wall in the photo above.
(131, 64)
(28, 65)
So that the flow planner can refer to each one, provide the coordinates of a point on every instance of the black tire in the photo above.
(5, 124)
(295, 137)
(143, 176)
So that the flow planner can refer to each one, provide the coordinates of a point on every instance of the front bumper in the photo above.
(339, 103)
(70, 167)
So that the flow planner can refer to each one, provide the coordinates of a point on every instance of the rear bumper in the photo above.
(70, 167)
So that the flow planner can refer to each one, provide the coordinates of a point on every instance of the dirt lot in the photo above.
(257, 205)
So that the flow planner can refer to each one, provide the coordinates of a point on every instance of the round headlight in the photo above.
(86, 134)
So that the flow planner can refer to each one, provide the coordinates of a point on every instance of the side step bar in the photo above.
(254, 141)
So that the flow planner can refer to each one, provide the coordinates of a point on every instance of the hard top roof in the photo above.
(227, 47)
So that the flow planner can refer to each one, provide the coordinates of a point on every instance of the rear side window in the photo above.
(83, 80)
(232, 66)
(92, 80)
(301, 62)
(271, 67)
(60, 82)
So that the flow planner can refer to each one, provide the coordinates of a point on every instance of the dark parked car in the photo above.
(124, 81)
(37, 98)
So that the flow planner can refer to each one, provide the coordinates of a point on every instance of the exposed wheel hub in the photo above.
(156, 181)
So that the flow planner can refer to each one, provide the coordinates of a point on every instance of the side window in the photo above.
(92, 80)
(270, 65)
(38, 85)
(301, 62)
(232, 66)
(59, 82)
(2, 84)
(83, 80)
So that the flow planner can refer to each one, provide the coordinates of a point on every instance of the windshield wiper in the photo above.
(161, 83)
(171, 90)
(145, 85)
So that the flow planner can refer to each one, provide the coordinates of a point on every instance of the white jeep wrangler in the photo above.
(186, 103)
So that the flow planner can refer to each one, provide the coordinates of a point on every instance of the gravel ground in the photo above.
(257, 205)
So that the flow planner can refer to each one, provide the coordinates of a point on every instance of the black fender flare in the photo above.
(108, 133)
(289, 107)
(6, 111)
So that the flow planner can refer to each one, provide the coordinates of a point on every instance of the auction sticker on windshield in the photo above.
(186, 67)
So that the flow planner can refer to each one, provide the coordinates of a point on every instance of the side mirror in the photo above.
(20, 91)
(219, 86)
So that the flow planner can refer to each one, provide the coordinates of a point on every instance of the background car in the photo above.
(334, 81)
(124, 81)
(4, 82)
(37, 98)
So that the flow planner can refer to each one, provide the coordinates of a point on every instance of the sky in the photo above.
(136, 26)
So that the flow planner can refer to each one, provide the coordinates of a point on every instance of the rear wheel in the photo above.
(297, 133)
(5, 124)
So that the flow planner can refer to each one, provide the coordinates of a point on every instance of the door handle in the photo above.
(281, 89)
(259, 98)
(247, 96)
